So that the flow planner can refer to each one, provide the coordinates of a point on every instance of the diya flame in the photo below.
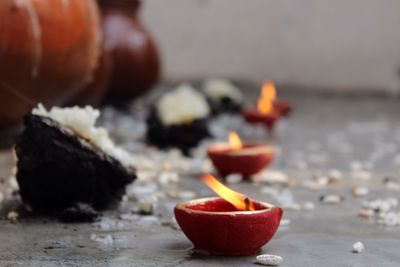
(265, 103)
(234, 141)
(238, 200)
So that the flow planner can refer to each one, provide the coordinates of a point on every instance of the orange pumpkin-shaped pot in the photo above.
(48, 52)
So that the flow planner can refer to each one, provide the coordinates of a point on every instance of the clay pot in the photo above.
(247, 161)
(94, 92)
(214, 225)
(48, 51)
(134, 53)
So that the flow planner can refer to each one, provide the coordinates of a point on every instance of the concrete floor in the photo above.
(323, 133)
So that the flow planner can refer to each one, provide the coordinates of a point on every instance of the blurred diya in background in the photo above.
(234, 157)
(283, 107)
(269, 110)
(232, 224)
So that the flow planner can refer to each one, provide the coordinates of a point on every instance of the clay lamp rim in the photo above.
(274, 114)
(183, 206)
(247, 149)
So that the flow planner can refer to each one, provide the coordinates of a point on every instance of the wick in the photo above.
(247, 203)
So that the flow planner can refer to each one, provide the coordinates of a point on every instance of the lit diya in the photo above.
(269, 109)
(230, 225)
(234, 157)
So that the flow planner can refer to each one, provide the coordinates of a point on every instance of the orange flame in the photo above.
(234, 141)
(240, 201)
(267, 98)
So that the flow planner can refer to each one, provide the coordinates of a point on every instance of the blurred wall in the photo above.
(314, 43)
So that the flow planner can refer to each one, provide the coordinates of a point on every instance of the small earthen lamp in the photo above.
(234, 157)
(231, 224)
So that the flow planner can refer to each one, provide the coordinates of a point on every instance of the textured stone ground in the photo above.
(358, 138)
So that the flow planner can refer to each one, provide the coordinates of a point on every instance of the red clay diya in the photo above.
(253, 116)
(282, 107)
(235, 157)
(235, 226)
(269, 110)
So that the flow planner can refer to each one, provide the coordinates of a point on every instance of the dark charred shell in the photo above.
(57, 168)
(224, 105)
(183, 137)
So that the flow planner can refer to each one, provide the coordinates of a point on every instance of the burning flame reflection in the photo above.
(267, 98)
(234, 141)
(239, 201)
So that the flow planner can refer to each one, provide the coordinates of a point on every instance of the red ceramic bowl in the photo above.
(254, 117)
(215, 226)
(251, 159)
(282, 107)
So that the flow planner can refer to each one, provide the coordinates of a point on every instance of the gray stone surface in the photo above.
(324, 133)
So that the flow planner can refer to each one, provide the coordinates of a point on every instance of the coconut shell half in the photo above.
(57, 169)
(184, 137)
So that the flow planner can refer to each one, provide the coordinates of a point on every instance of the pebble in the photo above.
(309, 206)
(233, 178)
(269, 260)
(141, 190)
(312, 185)
(322, 181)
(358, 247)
(380, 205)
(207, 166)
(168, 177)
(291, 206)
(12, 216)
(106, 239)
(186, 194)
(365, 213)
(383, 209)
(106, 223)
(148, 220)
(392, 186)
(145, 208)
(331, 199)
(359, 191)
(389, 219)
(12, 182)
(271, 177)
(361, 174)
(284, 222)
(356, 165)
(11, 188)
(146, 175)
(129, 217)
(335, 175)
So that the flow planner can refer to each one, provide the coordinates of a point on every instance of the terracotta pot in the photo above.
(94, 92)
(214, 225)
(250, 160)
(48, 51)
(135, 57)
